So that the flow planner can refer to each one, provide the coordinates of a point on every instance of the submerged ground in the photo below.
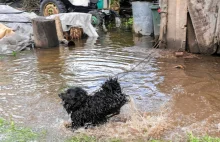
(166, 102)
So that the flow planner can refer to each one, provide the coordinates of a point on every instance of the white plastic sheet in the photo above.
(75, 19)
(13, 43)
(20, 23)
(5, 9)
(80, 2)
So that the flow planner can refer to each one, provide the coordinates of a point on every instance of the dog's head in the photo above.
(73, 98)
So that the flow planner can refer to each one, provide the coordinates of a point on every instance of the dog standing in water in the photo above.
(96, 109)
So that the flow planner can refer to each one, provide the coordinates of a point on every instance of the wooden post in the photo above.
(163, 23)
(45, 34)
(59, 28)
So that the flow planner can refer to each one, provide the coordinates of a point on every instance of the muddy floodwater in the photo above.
(185, 99)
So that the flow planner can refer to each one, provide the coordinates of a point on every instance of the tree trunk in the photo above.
(45, 34)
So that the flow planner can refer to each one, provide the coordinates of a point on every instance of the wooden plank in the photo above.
(192, 45)
(176, 27)
(181, 21)
(204, 18)
(163, 23)
(171, 25)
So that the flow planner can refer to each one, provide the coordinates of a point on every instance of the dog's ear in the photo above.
(79, 94)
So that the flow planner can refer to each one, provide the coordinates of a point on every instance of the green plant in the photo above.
(110, 25)
(82, 138)
(11, 132)
(86, 138)
(14, 53)
(192, 138)
(130, 21)
(115, 140)
(1, 57)
(114, 2)
(127, 22)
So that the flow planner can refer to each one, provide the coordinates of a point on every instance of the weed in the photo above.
(14, 53)
(82, 138)
(86, 138)
(11, 132)
(192, 138)
(130, 21)
(115, 140)
(127, 23)
(1, 57)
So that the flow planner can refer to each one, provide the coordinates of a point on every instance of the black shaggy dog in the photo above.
(88, 110)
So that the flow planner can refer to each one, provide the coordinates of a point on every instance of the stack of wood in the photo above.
(69, 36)
(74, 33)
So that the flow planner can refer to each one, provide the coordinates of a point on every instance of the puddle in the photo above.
(30, 82)
(195, 95)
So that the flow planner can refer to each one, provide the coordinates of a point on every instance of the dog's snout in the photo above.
(60, 95)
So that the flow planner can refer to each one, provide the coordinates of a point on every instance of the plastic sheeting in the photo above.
(13, 43)
(80, 2)
(4, 31)
(5, 9)
(20, 23)
(75, 19)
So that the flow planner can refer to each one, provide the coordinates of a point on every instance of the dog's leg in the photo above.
(88, 125)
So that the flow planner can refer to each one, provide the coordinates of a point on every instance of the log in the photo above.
(45, 34)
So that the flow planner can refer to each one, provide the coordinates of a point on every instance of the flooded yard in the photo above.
(166, 102)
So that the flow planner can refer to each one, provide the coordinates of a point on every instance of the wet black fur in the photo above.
(96, 109)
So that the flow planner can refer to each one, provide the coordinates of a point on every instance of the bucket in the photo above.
(143, 20)
(156, 19)
(100, 4)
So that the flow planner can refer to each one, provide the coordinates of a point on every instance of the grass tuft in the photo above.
(82, 138)
(192, 138)
(10, 132)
